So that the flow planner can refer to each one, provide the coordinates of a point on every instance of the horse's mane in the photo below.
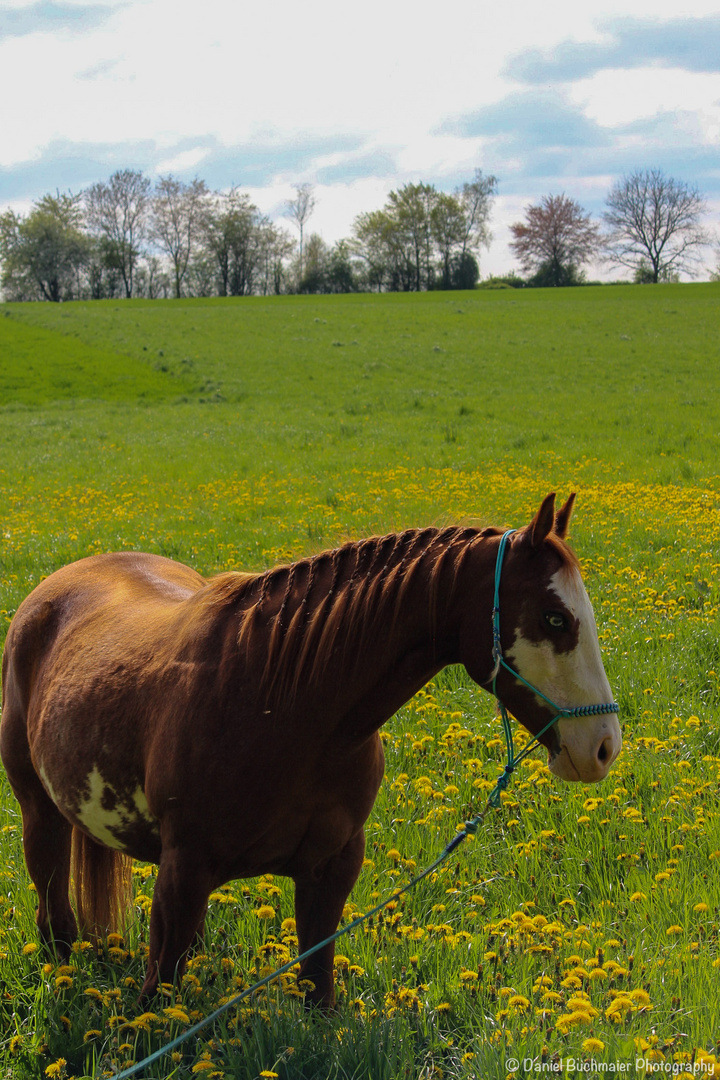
(298, 610)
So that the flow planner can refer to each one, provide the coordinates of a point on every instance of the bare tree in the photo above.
(299, 211)
(476, 200)
(275, 247)
(654, 220)
(554, 241)
(178, 215)
(117, 213)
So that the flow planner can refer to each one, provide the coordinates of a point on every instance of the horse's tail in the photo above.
(102, 886)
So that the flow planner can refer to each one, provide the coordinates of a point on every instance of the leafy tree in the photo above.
(178, 222)
(233, 227)
(117, 212)
(380, 244)
(423, 237)
(328, 270)
(44, 253)
(464, 271)
(555, 239)
(313, 278)
(341, 270)
(449, 232)
(653, 219)
(411, 207)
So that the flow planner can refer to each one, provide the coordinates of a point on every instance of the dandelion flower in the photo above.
(265, 911)
(590, 1045)
(173, 1012)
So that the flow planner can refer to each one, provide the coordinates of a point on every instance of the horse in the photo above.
(228, 727)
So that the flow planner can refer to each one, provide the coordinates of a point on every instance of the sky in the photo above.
(555, 97)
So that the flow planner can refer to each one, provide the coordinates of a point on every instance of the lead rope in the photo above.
(469, 828)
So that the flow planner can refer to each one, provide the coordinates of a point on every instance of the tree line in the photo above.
(129, 238)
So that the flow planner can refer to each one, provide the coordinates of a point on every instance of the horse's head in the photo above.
(548, 637)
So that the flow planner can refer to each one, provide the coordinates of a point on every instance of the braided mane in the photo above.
(304, 611)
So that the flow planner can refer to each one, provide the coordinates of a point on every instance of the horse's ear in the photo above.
(562, 518)
(542, 524)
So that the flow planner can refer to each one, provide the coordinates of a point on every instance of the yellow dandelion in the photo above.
(569, 1020)
(700, 908)
(672, 931)
(637, 896)
(593, 1045)
(56, 1068)
(28, 950)
(173, 1012)
(519, 1002)
(265, 911)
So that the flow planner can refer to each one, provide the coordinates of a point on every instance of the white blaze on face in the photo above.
(108, 825)
(588, 744)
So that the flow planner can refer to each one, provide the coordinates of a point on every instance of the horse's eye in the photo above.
(555, 620)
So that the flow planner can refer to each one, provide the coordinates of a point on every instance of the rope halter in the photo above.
(513, 759)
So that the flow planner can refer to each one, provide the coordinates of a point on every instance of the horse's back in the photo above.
(77, 703)
(71, 606)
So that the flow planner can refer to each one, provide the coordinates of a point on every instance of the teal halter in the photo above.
(513, 759)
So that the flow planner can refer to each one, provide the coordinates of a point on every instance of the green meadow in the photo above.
(583, 925)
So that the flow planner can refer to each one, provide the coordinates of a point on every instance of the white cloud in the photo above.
(186, 159)
(329, 94)
(617, 97)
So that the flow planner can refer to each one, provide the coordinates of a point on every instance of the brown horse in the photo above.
(229, 728)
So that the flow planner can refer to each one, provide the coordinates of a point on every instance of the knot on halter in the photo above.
(501, 783)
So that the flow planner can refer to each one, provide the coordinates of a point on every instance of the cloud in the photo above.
(530, 120)
(49, 17)
(349, 167)
(71, 165)
(687, 43)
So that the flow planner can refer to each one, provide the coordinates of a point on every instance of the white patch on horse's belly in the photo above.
(127, 815)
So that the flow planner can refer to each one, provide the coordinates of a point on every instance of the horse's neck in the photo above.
(370, 620)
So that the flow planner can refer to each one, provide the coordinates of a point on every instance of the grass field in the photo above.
(583, 925)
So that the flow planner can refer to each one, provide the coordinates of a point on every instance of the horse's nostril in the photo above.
(604, 751)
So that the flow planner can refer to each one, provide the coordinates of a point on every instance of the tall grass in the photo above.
(582, 922)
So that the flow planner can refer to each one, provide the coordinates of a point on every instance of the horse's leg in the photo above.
(47, 840)
(46, 833)
(319, 902)
(177, 915)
